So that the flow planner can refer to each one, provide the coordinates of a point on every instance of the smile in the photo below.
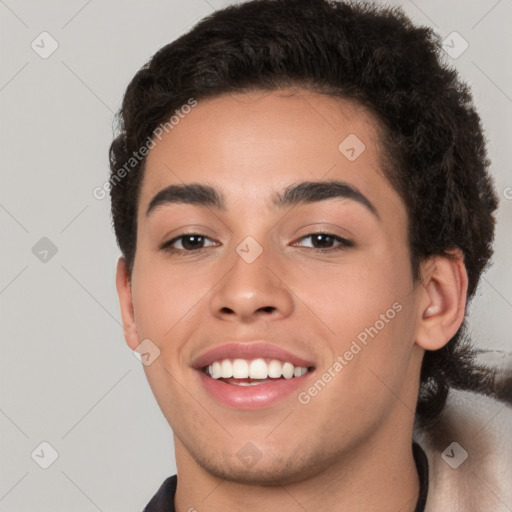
(257, 371)
(254, 375)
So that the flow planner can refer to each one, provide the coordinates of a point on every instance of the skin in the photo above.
(349, 448)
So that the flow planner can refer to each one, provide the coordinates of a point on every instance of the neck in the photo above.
(378, 474)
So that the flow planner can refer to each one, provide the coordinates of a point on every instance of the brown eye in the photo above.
(190, 242)
(324, 242)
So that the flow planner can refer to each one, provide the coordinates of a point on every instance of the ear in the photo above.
(125, 301)
(443, 299)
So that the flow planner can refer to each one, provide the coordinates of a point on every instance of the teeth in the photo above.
(258, 369)
(243, 383)
(254, 369)
(299, 371)
(275, 369)
(240, 369)
(215, 369)
(288, 370)
(226, 369)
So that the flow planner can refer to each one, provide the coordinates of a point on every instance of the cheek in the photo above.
(162, 295)
(368, 307)
(352, 295)
(378, 340)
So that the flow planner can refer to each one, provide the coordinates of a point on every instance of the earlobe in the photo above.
(443, 300)
(126, 304)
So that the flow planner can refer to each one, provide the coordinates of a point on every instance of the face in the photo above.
(269, 283)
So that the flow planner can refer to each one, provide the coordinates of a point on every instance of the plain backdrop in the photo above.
(67, 377)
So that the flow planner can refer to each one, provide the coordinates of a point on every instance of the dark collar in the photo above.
(422, 466)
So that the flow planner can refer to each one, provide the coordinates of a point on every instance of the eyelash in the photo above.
(167, 246)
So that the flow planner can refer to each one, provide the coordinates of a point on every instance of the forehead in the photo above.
(254, 144)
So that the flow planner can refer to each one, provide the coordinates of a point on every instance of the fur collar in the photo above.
(469, 449)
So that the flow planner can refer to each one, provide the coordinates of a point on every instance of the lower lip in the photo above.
(251, 397)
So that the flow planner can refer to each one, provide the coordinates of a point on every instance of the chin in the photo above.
(270, 471)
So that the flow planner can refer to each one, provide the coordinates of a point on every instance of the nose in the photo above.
(252, 291)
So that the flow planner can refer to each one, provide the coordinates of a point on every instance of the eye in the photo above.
(190, 242)
(325, 241)
(194, 242)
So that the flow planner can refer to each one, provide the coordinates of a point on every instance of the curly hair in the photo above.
(434, 146)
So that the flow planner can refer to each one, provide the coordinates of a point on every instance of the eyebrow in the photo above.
(305, 192)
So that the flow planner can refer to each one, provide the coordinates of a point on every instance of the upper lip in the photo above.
(248, 350)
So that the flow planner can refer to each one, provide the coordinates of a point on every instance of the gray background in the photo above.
(67, 377)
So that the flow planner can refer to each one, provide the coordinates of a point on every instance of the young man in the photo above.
(300, 194)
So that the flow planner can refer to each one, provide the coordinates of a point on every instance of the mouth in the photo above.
(251, 375)
(243, 372)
